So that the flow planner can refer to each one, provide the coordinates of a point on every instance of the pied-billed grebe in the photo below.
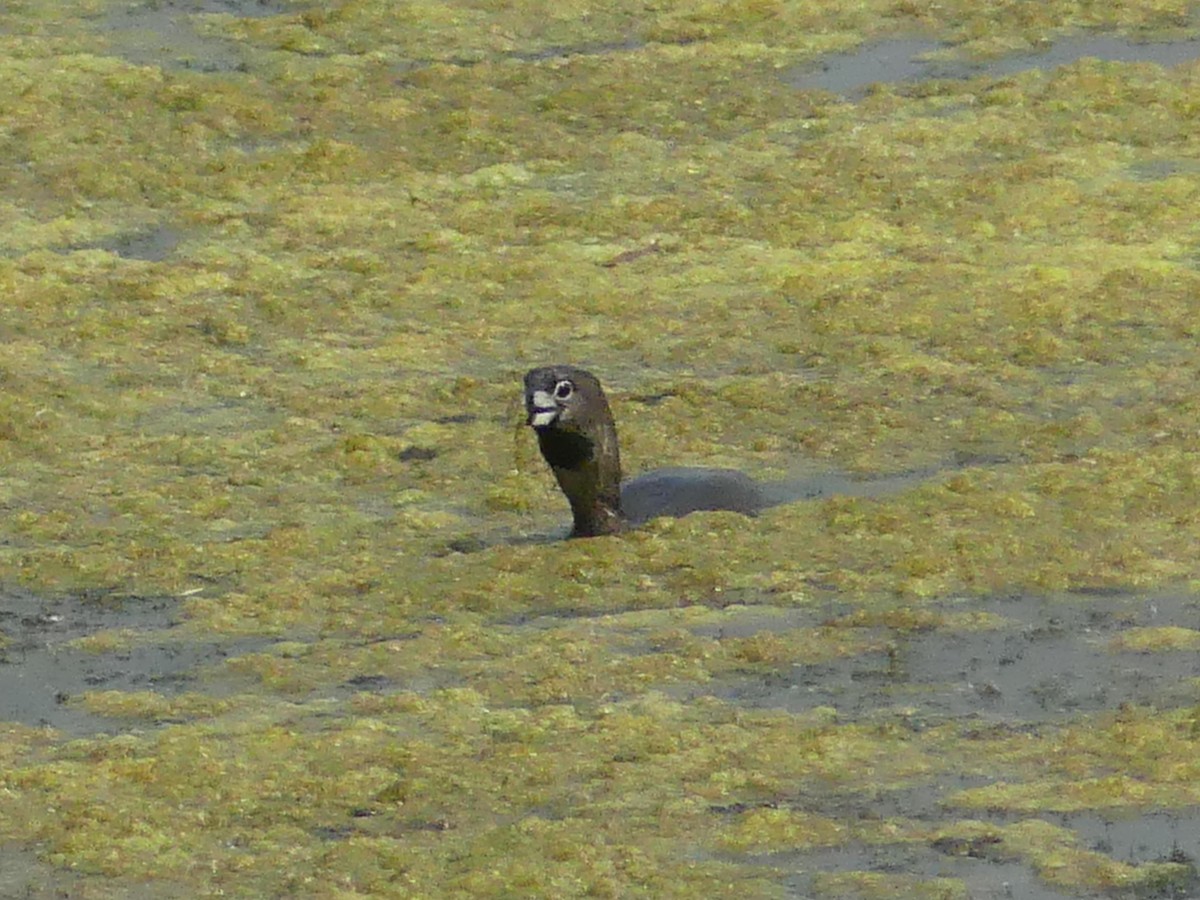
(567, 408)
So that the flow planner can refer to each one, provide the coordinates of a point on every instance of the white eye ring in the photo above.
(563, 390)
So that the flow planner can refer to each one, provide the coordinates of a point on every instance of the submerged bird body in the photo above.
(567, 408)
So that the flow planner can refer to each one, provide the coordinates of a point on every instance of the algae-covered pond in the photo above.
(284, 604)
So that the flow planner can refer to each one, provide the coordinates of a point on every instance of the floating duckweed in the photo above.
(151, 705)
(1149, 640)
(263, 335)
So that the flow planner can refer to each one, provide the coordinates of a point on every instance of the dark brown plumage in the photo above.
(567, 408)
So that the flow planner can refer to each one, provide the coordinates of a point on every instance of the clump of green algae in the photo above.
(309, 403)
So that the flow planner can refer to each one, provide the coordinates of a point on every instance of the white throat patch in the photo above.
(543, 409)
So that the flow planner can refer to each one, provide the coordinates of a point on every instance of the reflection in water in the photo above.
(832, 484)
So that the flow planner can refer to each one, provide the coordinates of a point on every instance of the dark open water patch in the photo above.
(150, 245)
(903, 60)
(983, 866)
(1049, 663)
(24, 876)
(1053, 661)
(983, 877)
(161, 33)
(40, 672)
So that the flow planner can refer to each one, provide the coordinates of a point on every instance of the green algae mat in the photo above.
(270, 275)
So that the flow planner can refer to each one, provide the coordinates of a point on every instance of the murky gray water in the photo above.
(162, 33)
(898, 60)
(40, 673)
(1050, 663)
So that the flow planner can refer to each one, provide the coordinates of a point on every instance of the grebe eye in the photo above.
(563, 390)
